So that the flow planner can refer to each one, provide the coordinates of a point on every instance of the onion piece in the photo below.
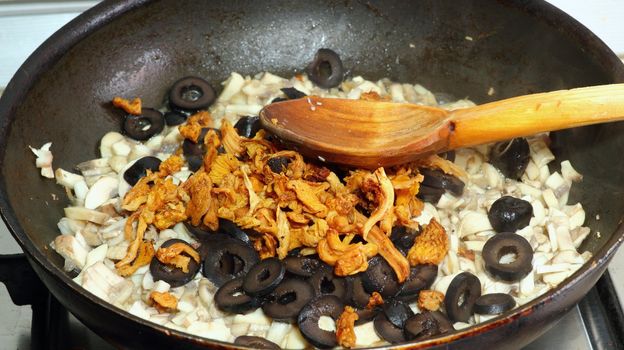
(81, 213)
(102, 190)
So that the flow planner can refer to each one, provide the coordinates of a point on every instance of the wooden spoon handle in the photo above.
(530, 114)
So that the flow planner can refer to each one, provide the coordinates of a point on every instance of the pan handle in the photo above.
(23, 284)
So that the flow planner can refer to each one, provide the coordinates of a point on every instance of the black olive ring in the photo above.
(264, 277)
(136, 171)
(509, 214)
(421, 277)
(248, 126)
(380, 277)
(359, 297)
(461, 295)
(430, 194)
(228, 260)
(508, 243)
(173, 118)
(494, 304)
(288, 299)
(365, 315)
(421, 326)
(438, 179)
(142, 127)
(309, 316)
(231, 229)
(427, 324)
(397, 312)
(324, 282)
(292, 93)
(387, 331)
(231, 298)
(511, 157)
(173, 275)
(191, 94)
(326, 69)
(304, 266)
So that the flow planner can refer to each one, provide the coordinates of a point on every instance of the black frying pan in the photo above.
(139, 48)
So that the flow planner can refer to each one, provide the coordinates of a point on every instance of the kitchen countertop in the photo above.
(32, 23)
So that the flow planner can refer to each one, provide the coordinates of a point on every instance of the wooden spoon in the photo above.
(369, 134)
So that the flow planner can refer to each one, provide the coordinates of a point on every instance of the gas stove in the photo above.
(33, 319)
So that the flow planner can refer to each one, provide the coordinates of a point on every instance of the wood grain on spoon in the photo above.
(370, 134)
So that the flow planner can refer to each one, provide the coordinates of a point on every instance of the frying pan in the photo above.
(139, 48)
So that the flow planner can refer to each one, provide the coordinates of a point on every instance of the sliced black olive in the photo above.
(503, 244)
(430, 194)
(279, 99)
(229, 260)
(230, 297)
(264, 277)
(359, 297)
(324, 282)
(444, 324)
(171, 274)
(204, 233)
(190, 148)
(288, 299)
(365, 315)
(387, 331)
(248, 126)
(494, 304)
(511, 157)
(421, 277)
(227, 230)
(194, 162)
(191, 94)
(380, 277)
(134, 173)
(397, 312)
(293, 93)
(142, 127)
(308, 320)
(210, 243)
(403, 238)
(304, 266)
(255, 342)
(438, 179)
(173, 118)
(326, 69)
(278, 164)
(233, 230)
(509, 214)
(194, 151)
(448, 155)
(461, 295)
(427, 324)
(421, 326)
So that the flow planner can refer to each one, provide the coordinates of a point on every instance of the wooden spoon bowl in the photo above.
(370, 134)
